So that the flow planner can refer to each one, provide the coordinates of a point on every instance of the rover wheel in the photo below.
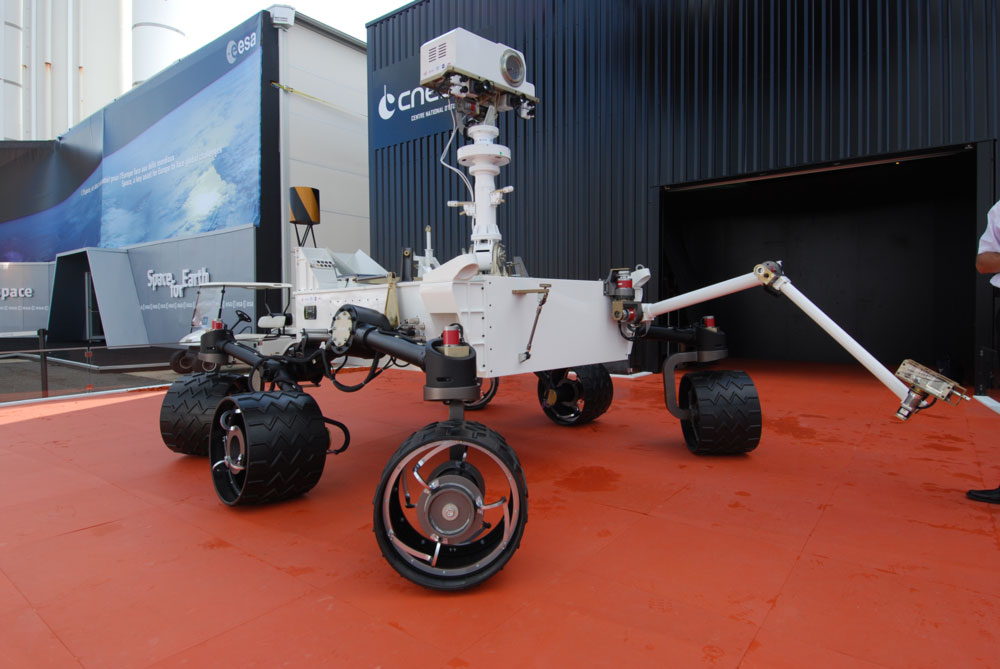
(451, 505)
(576, 395)
(267, 446)
(487, 391)
(182, 362)
(188, 407)
(725, 412)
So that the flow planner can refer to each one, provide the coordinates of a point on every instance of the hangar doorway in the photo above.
(886, 249)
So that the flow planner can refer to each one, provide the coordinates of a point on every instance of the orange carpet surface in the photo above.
(844, 540)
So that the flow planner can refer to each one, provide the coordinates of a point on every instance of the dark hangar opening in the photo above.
(886, 250)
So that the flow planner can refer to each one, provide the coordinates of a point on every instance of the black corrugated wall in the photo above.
(641, 94)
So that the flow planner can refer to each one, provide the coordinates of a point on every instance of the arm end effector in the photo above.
(925, 383)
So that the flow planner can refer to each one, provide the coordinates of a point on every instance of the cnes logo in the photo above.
(383, 105)
(235, 48)
(407, 100)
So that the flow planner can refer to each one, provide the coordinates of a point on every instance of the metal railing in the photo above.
(46, 371)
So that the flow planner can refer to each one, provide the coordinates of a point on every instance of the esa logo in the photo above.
(235, 49)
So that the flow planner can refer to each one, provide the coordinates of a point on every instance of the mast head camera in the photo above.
(460, 64)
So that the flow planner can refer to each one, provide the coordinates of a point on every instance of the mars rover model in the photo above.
(451, 505)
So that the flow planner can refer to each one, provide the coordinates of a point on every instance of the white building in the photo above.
(179, 172)
(62, 60)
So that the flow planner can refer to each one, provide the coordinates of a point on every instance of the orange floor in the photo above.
(844, 540)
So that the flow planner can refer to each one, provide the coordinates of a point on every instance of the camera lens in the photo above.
(512, 67)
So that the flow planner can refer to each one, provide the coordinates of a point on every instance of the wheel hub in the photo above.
(449, 512)
(450, 508)
(565, 391)
(235, 448)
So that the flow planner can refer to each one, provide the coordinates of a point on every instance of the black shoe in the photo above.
(989, 496)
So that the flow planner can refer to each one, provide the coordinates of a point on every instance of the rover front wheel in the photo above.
(725, 416)
(450, 509)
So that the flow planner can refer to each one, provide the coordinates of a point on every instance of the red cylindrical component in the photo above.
(451, 336)
(708, 321)
(217, 325)
(625, 283)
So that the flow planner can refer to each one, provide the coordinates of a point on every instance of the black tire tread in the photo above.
(189, 407)
(287, 442)
(729, 419)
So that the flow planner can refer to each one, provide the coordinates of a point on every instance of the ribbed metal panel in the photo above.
(766, 85)
(641, 94)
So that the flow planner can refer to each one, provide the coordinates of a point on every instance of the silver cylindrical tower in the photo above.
(158, 38)
(11, 68)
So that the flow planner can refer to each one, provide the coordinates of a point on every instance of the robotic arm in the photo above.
(922, 386)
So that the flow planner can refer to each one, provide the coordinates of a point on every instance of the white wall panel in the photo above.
(327, 137)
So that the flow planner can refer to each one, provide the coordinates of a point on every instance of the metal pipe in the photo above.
(3, 82)
(48, 31)
(897, 387)
(48, 69)
(239, 351)
(80, 50)
(687, 336)
(370, 338)
(33, 69)
(70, 45)
(783, 285)
(388, 344)
(728, 287)
(125, 52)
(284, 144)
(44, 361)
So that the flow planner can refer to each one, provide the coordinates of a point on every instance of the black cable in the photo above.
(347, 436)
(372, 373)
(328, 370)
(636, 332)
(303, 360)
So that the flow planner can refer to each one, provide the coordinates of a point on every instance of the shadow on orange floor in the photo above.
(843, 540)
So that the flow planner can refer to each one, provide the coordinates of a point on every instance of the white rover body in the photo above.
(497, 313)
(451, 505)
